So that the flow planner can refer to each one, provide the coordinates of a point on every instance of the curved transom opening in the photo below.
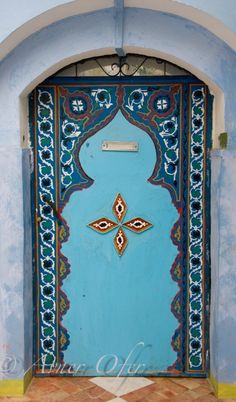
(127, 66)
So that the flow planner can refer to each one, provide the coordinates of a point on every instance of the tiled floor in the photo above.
(117, 390)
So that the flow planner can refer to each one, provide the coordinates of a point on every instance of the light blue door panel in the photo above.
(117, 303)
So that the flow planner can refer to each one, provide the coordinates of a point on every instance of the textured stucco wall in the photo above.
(28, 274)
(16, 263)
(11, 267)
(26, 10)
(41, 55)
(29, 17)
(215, 268)
(224, 11)
(223, 240)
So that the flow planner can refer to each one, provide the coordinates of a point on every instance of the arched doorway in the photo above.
(136, 143)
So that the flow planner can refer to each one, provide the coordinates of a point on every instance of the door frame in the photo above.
(142, 80)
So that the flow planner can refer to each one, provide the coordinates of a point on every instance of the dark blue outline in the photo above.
(122, 80)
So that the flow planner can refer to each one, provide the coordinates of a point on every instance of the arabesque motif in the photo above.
(196, 235)
(46, 228)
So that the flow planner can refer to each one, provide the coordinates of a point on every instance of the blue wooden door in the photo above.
(121, 226)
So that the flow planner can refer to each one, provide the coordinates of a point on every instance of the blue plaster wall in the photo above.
(27, 10)
(222, 10)
(28, 274)
(12, 262)
(16, 263)
(79, 35)
(223, 306)
(39, 56)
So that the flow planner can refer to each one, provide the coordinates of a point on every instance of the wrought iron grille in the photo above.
(115, 66)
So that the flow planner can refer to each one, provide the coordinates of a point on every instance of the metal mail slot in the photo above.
(120, 146)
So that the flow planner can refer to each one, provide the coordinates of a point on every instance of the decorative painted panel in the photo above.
(46, 224)
(160, 274)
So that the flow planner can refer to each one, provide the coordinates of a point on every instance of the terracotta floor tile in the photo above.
(44, 388)
(59, 381)
(176, 388)
(71, 398)
(15, 399)
(131, 397)
(191, 394)
(145, 400)
(190, 383)
(158, 387)
(83, 382)
(81, 389)
(106, 396)
(156, 398)
(161, 380)
(80, 398)
(167, 394)
(71, 388)
(98, 392)
(203, 390)
(143, 392)
(167, 385)
(57, 396)
(226, 400)
(95, 391)
(140, 395)
(182, 398)
(208, 398)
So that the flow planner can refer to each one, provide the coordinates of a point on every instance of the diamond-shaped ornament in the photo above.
(120, 241)
(103, 225)
(137, 225)
(119, 208)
